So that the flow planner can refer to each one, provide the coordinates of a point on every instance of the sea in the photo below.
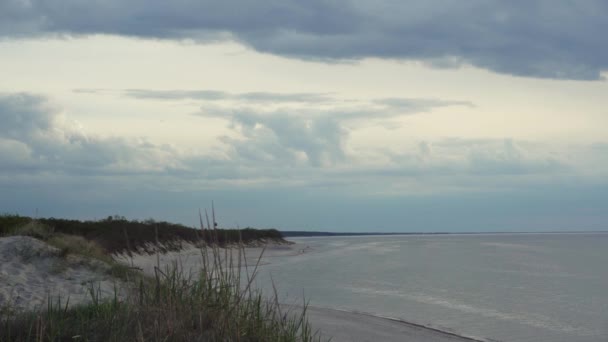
(493, 287)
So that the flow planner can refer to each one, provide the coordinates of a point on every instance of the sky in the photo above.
(351, 115)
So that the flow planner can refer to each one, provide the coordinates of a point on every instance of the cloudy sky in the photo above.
(351, 115)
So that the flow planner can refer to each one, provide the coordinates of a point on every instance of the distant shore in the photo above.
(302, 233)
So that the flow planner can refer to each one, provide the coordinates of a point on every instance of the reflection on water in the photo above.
(520, 287)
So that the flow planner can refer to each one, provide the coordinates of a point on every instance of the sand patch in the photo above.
(190, 258)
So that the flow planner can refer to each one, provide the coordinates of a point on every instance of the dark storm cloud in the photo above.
(538, 38)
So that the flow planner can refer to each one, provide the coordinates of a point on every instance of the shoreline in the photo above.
(406, 323)
(351, 325)
(339, 324)
(303, 234)
(330, 322)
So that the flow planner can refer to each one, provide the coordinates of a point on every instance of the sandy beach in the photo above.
(30, 270)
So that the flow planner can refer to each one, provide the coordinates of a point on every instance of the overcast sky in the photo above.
(352, 115)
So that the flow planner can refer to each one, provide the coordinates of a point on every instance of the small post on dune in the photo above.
(200, 219)
(213, 215)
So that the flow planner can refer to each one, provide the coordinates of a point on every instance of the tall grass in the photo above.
(215, 303)
(26, 227)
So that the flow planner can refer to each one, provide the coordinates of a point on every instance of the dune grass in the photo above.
(217, 303)
(74, 244)
(172, 307)
(25, 226)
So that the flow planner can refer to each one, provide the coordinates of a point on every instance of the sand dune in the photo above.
(31, 271)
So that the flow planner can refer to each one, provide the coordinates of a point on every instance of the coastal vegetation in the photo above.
(218, 303)
(117, 234)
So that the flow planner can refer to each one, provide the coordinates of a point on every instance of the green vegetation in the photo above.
(117, 234)
(216, 304)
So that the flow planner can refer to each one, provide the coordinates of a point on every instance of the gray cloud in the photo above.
(413, 105)
(538, 38)
(299, 144)
(466, 165)
(48, 163)
(308, 132)
(510, 159)
(36, 138)
(283, 137)
(401, 104)
(23, 114)
(214, 95)
(309, 127)
(291, 161)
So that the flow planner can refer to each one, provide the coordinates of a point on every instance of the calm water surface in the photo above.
(520, 287)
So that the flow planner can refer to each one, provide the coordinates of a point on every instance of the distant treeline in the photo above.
(117, 234)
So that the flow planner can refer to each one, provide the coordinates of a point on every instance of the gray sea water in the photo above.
(496, 287)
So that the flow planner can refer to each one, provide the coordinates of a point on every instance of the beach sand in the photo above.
(30, 270)
(189, 259)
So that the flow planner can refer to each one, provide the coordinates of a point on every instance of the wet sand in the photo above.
(345, 326)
